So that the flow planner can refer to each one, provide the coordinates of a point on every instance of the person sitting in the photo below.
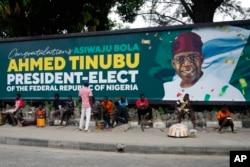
(121, 115)
(96, 108)
(57, 108)
(40, 113)
(15, 113)
(143, 108)
(123, 102)
(107, 107)
(70, 107)
(183, 107)
(224, 119)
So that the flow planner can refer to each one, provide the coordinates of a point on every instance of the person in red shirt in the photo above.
(107, 108)
(143, 108)
(16, 111)
(224, 119)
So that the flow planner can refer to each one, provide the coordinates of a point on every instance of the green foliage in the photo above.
(116, 99)
(129, 9)
(26, 102)
(48, 104)
(45, 17)
(166, 12)
(161, 110)
(215, 109)
(78, 104)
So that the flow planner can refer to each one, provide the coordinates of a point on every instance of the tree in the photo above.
(168, 12)
(43, 17)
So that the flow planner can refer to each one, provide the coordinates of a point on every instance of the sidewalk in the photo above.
(153, 140)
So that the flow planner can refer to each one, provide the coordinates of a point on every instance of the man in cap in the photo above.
(187, 61)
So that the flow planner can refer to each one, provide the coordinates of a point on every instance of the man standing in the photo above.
(143, 108)
(86, 96)
(187, 61)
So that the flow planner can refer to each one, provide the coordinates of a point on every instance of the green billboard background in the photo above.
(115, 64)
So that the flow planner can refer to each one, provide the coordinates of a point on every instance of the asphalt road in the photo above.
(27, 156)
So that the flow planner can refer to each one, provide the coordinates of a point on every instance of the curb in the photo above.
(167, 124)
(118, 147)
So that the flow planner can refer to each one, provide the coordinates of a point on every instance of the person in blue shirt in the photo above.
(123, 102)
(121, 109)
(121, 115)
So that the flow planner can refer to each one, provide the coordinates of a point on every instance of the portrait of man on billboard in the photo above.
(188, 59)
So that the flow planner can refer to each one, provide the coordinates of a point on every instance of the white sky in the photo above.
(140, 23)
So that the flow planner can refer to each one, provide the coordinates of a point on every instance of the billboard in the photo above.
(128, 63)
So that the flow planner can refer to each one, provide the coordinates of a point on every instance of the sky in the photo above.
(140, 23)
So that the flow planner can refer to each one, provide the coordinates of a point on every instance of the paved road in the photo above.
(152, 140)
(24, 156)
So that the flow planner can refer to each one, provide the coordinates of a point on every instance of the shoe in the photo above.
(80, 129)
(234, 132)
(220, 132)
(87, 131)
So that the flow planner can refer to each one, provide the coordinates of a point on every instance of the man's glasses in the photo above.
(191, 58)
